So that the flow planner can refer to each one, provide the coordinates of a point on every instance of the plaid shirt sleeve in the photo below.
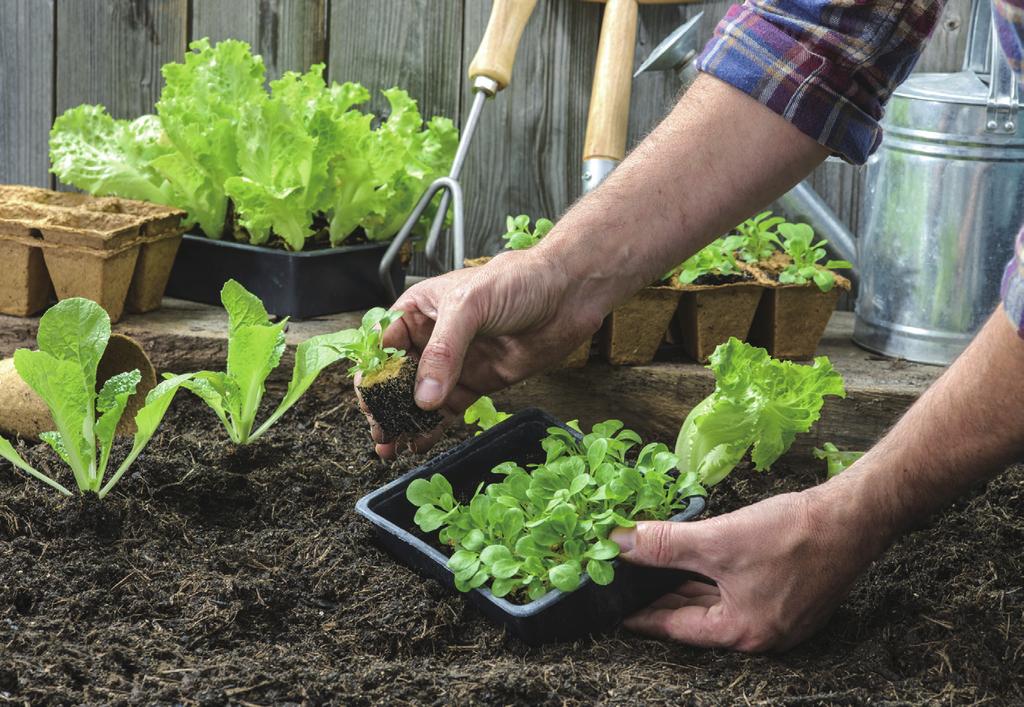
(827, 66)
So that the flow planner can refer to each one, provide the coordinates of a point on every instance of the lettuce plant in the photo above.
(363, 346)
(837, 460)
(544, 528)
(483, 414)
(716, 258)
(255, 347)
(72, 338)
(287, 159)
(759, 405)
(519, 236)
(798, 243)
(759, 238)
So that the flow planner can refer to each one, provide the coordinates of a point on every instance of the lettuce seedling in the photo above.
(387, 377)
(760, 240)
(519, 235)
(539, 530)
(759, 404)
(483, 414)
(255, 347)
(838, 461)
(72, 338)
(716, 258)
(798, 243)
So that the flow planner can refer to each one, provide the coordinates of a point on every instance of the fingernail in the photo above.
(625, 538)
(428, 392)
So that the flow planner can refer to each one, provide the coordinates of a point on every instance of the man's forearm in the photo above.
(966, 428)
(718, 157)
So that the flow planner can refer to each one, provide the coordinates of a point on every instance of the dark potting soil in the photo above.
(711, 279)
(218, 575)
(391, 402)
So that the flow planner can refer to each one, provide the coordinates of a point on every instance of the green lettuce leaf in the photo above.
(760, 404)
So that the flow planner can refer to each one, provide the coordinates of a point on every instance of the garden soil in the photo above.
(215, 575)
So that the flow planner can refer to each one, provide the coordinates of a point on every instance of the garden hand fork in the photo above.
(490, 72)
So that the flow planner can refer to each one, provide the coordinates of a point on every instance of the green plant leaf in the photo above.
(601, 572)
(110, 405)
(8, 452)
(565, 576)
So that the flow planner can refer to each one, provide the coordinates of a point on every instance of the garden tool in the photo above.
(490, 72)
(608, 119)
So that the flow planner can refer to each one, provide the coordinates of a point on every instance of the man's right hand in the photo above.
(478, 330)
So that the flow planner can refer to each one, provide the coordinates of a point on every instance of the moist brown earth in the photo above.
(217, 575)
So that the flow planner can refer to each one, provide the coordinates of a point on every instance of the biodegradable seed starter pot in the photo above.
(634, 330)
(709, 314)
(791, 319)
(388, 395)
(557, 616)
(300, 285)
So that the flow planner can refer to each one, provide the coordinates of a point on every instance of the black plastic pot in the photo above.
(298, 285)
(557, 616)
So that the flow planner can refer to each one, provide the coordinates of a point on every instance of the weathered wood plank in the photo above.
(527, 154)
(291, 35)
(26, 88)
(945, 50)
(111, 51)
(413, 44)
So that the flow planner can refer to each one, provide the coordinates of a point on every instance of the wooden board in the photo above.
(290, 35)
(26, 88)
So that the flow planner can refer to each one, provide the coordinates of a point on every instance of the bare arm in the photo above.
(773, 594)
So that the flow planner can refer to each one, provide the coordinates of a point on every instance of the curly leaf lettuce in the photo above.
(760, 404)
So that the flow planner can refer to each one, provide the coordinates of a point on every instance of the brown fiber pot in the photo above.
(634, 330)
(791, 319)
(708, 315)
(24, 413)
(25, 287)
(152, 272)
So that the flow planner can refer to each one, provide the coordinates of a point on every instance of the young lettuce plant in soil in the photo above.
(837, 460)
(543, 529)
(798, 243)
(715, 264)
(72, 337)
(759, 238)
(386, 377)
(483, 414)
(519, 236)
(759, 405)
(255, 347)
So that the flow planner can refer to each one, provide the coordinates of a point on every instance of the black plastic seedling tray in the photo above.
(557, 616)
(298, 285)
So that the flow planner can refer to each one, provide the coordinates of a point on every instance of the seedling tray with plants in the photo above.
(592, 608)
(116, 252)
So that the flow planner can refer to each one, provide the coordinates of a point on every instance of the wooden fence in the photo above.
(56, 54)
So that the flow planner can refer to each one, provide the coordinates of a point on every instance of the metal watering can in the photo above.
(944, 200)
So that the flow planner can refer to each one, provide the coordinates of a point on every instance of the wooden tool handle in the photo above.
(497, 52)
(608, 119)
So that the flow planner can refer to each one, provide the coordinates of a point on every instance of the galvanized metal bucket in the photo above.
(944, 200)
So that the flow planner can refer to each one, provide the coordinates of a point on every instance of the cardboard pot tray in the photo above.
(116, 252)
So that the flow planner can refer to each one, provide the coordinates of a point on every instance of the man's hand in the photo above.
(781, 566)
(481, 329)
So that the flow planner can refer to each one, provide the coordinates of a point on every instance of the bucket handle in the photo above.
(1003, 91)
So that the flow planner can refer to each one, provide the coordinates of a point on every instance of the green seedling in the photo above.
(72, 338)
(798, 243)
(838, 461)
(363, 346)
(760, 240)
(759, 405)
(483, 414)
(717, 258)
(520, 237)
(255, 347)
(545, 528)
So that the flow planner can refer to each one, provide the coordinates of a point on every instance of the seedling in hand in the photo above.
(543, 529)
(387, 377)
(520, 236)
(798, 243)
(72, 338)
(255, 347)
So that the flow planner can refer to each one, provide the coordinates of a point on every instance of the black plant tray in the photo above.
(298, 285)
(557, 616)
